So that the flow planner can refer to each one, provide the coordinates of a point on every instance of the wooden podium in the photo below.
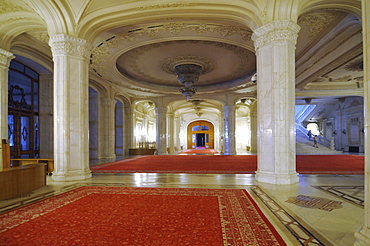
(6, 153)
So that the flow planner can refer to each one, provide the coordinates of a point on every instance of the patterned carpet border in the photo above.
(296, 228)
(347, 192)
(236, 207)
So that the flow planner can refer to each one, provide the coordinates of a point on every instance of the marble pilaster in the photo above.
(275, 51)
(5, 58)
(161, 113)
(46, 116)
(71, 121)
(107, 128)
(363, 235)
(128, 129)
(171, 135)
(229, 130)
(253, 132)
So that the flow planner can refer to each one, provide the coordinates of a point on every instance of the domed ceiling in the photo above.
(143, 60)
(154, 64)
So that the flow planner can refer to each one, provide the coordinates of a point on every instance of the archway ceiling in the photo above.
(135, 58)
(140, 58)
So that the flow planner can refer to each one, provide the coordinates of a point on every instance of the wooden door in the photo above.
(200, 135)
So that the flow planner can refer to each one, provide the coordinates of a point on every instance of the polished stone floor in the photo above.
(335, 227)
(319, 210)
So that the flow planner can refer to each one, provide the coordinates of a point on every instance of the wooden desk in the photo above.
(141, 151)
(17, 181)
(23, 162)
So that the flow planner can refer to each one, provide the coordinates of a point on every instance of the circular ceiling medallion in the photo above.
(206, 63)
(153, 65)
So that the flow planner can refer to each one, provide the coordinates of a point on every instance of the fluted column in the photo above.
(275, 50)
(5, 58)
(128, 129)
(71, 122)
(107, 128)
(229, 130)
(363, 235)
(161, 130)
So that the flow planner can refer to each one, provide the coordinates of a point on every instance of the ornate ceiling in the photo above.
(138, 58)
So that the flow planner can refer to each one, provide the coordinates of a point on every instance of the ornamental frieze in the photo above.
(167, 5)
(8, 7)
(317, 22)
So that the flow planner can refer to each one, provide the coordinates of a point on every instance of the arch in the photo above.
(97, 22)
(58, 16)
(353, 7)
(99, 88)
(200, 134)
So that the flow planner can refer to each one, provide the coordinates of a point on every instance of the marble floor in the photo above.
(319, 210)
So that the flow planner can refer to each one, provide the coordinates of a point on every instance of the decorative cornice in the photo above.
(8, 7)
(15, 19)
(62, 44)
(5, 58)
(277, 31)
(316, 22)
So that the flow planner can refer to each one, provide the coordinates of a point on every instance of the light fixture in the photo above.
(188, 74)
(254, 78)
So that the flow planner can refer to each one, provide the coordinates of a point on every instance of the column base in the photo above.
(273, 178)
(363, 237)
(71, 176)
(229, 153)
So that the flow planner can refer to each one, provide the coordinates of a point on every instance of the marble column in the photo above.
(275, 50)
(171, 130)
(161, 113)
(229, 130)
(363, 235)
(128, 129)
(176, 133)
(46, 116)
(5, 58)
(107, 128)
(253, 131)
(71, 121)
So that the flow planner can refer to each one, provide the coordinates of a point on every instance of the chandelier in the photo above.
(188, 74)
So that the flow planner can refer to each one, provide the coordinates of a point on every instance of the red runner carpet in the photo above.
(140, 216)
(230, 164)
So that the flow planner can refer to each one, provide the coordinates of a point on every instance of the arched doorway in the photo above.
(200, 135)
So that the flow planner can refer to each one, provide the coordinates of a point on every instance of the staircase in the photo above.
(304, 146)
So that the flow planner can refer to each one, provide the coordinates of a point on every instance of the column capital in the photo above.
(62, 44)
(276, 31)
(5, 58)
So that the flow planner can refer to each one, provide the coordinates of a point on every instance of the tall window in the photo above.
(23, 111)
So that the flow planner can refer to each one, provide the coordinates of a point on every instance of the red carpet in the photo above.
(199, 151)
(230, 164)
(140, 216)
(181, 164)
